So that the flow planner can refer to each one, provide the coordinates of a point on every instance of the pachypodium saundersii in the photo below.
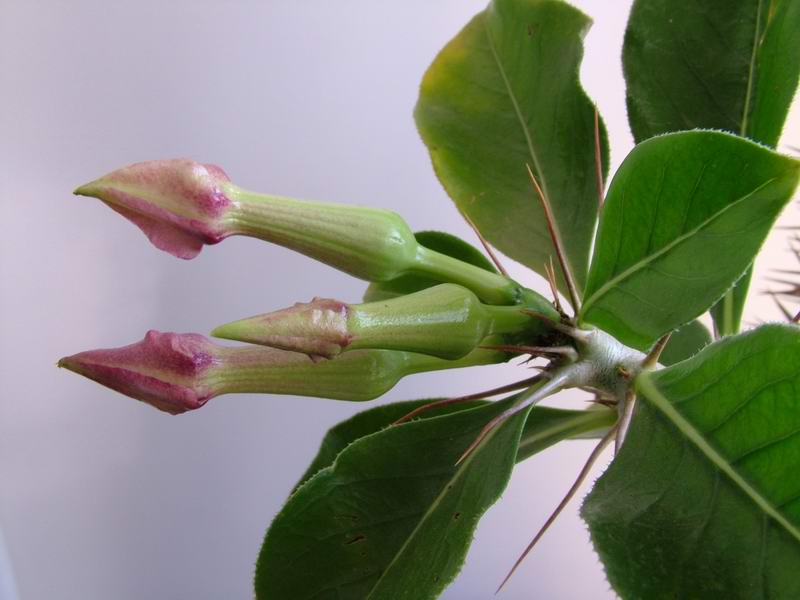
(388, 508)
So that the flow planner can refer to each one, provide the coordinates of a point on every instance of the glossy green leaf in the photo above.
(544, 427)
(505, 93)
(392, 518)
(685, 215)
(434, 240)
(703, 500)
(685, 342)
(714, 64)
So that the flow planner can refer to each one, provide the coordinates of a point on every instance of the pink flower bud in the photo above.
(180, 372)
(179, 204)
(167, 370)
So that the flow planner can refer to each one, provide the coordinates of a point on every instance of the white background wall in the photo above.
(102, 497)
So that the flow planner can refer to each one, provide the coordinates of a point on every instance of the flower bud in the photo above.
(173, 372)
(320, 328)
(181, 372)
(446, 320)
(181, 205)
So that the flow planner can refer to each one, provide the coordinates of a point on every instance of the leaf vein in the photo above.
(645, 261)
(653, 394)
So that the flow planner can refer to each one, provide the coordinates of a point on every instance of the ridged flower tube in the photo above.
(447, 321)
(181, 205)
(177, 373)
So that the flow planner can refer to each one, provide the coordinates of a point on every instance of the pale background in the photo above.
(104, 498)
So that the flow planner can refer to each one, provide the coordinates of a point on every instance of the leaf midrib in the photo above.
(528, 138)
(751, 73)
(653, 394)
(645, 261)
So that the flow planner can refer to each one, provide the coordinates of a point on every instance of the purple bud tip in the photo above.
(167, 370)
(179, 204)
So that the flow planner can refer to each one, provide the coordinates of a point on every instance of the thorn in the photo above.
(783, 281)
(548, 214)
(598, 161)
(511, 387)
(482, 435)
(567, 351)
(543, 371)
(430, 406)
(508, 348)
(604, 402)
(584, 472)
(572, 332)
(597, 392)
(625, 420)
(651, 360)
(785, 311)
(486, 245)
(794, 293)
(600, 396)
(535, 395)
(796, 318)
(551, 279)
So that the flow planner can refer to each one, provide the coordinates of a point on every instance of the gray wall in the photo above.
(102, 497)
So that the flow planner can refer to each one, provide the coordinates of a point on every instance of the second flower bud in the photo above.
(447, 321)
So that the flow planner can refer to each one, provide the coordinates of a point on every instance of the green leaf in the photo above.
(703, 500)
(685, 215)
(393, 517)
(433, 240)
(505, 93)
(714, 64)
(368, 422)
(685, 342)
(544, 427)
(717, 65)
